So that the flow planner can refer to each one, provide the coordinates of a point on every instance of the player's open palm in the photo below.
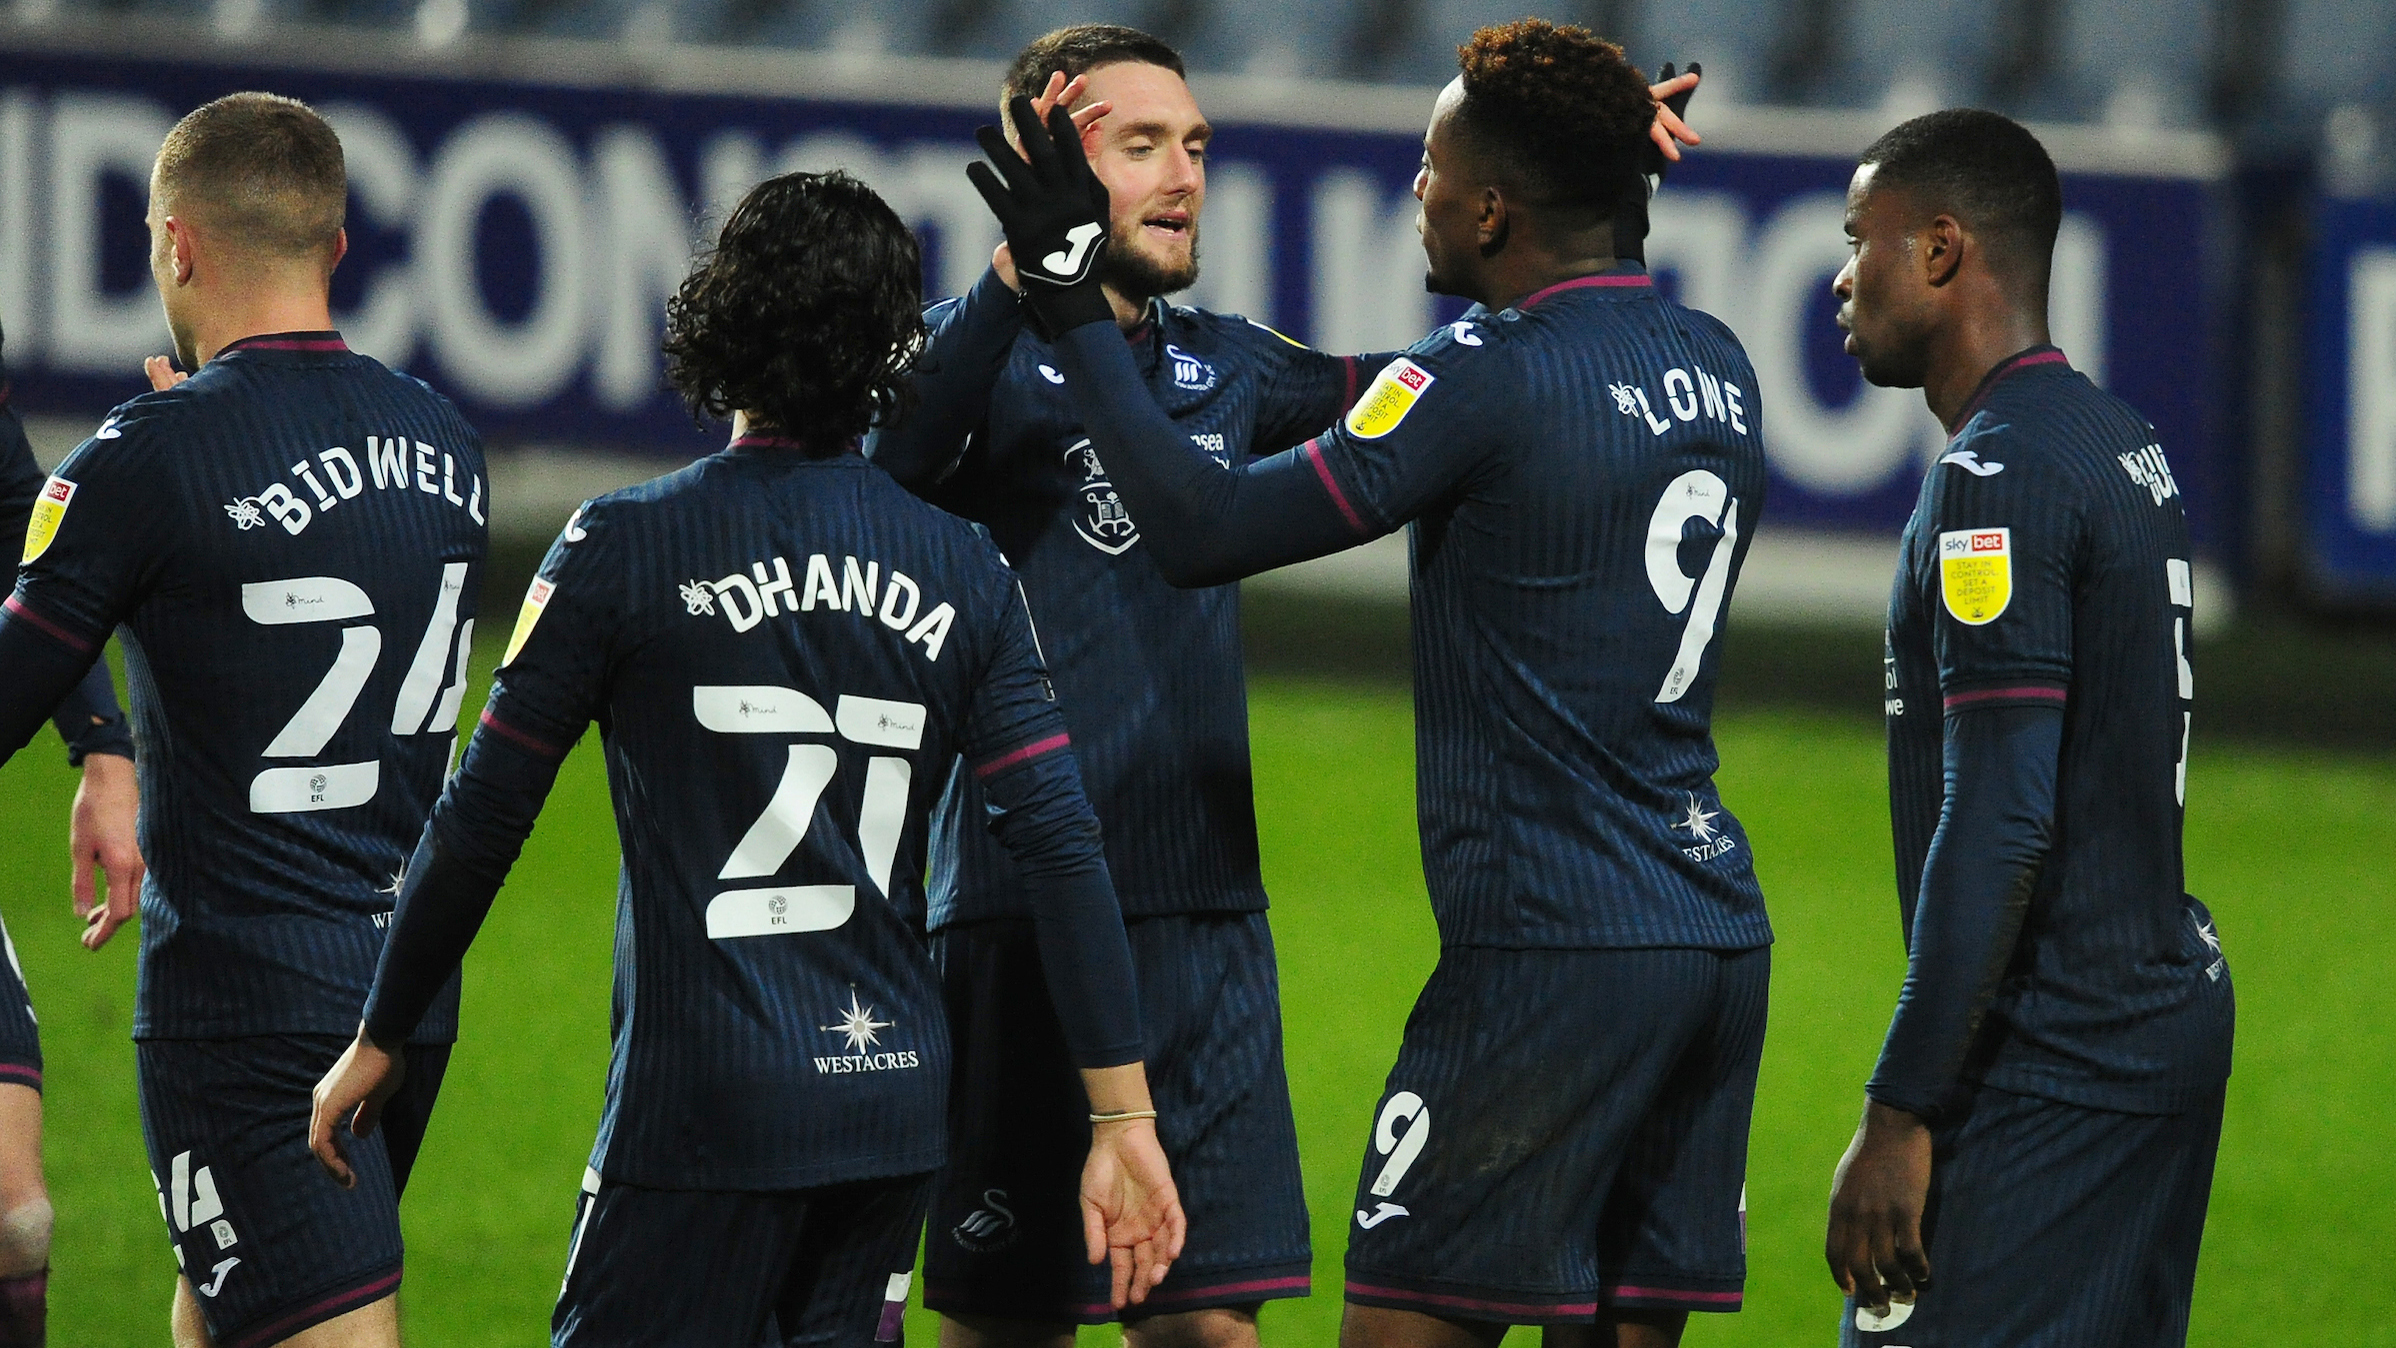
(1131, 1213)
(354, 1092)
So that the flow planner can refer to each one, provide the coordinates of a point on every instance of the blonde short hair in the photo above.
(264, 170)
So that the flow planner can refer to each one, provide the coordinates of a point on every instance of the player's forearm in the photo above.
(1045, 823)
(1984, 862)
(39, 668)
(1201, 523)
(1086, 960)
(442, 903)
(89, 719)
(951, 382)
(468, 847)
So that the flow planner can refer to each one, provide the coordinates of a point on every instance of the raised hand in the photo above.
(1060, 93)
(1052, 208)
(1671, 93)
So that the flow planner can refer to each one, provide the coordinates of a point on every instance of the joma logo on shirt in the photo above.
(862, 588)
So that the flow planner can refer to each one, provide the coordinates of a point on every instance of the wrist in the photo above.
(1890, 1120)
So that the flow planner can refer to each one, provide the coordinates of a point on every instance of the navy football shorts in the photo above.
(1006, 1234)
(20, 1041)
(825, 1267)
(2052, 1225)
(1564, 1134)
(269, 1242)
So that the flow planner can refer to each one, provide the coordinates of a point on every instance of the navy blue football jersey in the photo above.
(1149, 675)
(1584, 472)
(784, 655)
(292, 540)
(2047, 564)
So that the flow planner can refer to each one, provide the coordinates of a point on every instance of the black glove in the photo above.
(1053, 209)
(1630, 218)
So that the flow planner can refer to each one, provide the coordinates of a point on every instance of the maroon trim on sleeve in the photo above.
(2027, 693)
(18, 608)
(1023, 754)
(1347, 400)
(522, 740)
(1314, 455)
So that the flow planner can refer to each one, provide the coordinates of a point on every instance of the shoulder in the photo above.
(1704, 325)
(1234, 333)
(136, 435)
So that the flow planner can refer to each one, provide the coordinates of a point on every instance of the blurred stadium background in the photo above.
(529, 180)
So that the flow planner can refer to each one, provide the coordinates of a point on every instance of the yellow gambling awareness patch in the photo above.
(1975, 573)
(48, 509)
(536, 598)
(1387, 402)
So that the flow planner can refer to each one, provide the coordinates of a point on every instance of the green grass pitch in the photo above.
(2292, 851)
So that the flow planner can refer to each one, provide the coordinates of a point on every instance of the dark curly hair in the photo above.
(807, 313)
(1558, 112)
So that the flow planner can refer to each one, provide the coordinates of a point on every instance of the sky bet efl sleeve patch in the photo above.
(48, 509)
(1975, 573)
(536, 598)
(1391, 397)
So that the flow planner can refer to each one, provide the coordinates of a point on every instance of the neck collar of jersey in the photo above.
(761, 442)
(310, 343)
(2044, 354)
(1147, 336)
(1621, 277)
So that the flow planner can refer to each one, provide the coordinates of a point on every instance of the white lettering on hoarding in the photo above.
(2371, 390)
(511, 364)
(1368, 266)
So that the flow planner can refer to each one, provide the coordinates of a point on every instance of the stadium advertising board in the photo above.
(513, 241)
(2350, 470)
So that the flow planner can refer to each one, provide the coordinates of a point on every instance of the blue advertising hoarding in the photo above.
(513, 241)
(2349, 489)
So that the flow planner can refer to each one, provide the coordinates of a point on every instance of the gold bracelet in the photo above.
(1124, 1116)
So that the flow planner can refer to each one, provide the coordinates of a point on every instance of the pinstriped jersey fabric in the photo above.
(2047, 563)
(785, 655)
(1584, 473)
(293, 542)
(1149, 675)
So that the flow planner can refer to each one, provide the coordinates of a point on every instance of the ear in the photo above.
(340, 249)
(181, 245)
(1939, 249)
(1491, 227)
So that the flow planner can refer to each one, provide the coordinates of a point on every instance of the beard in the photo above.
(1136, 275)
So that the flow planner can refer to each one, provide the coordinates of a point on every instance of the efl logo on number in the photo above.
(1401, 1149)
